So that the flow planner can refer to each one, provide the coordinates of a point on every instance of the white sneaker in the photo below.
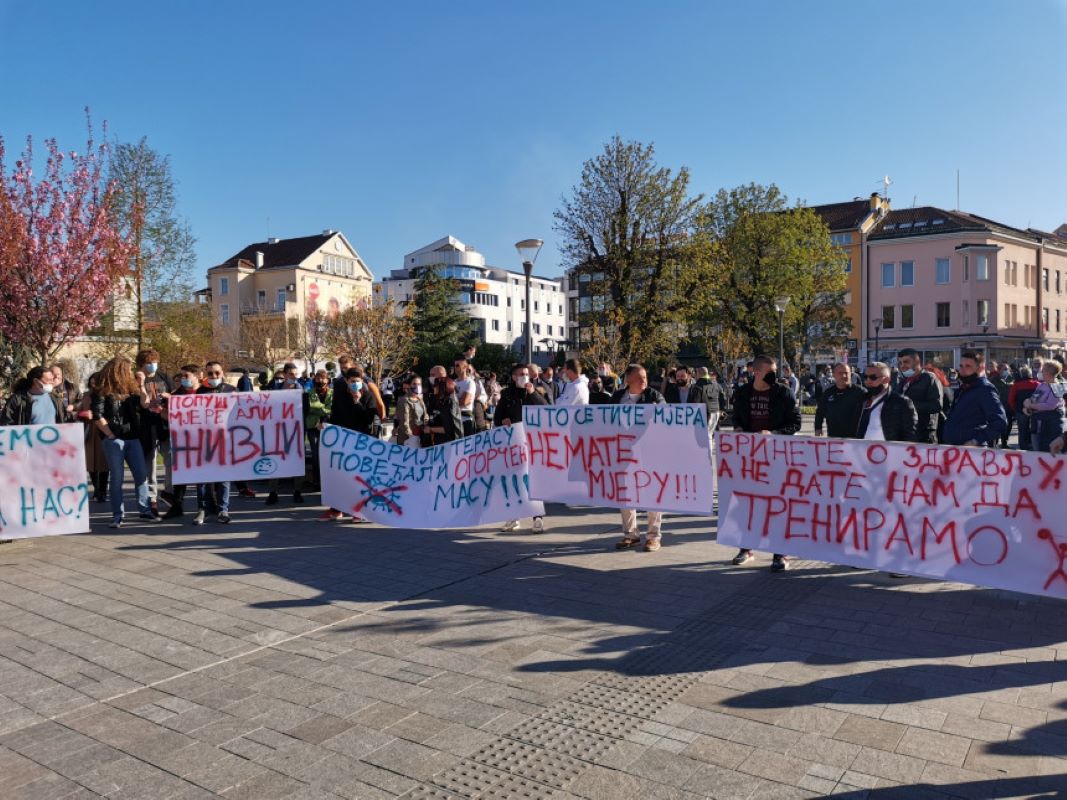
(538, 524)
(510, 525)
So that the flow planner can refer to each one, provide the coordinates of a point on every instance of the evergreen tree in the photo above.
(438, 318)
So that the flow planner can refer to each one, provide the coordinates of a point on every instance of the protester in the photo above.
(117, 405)
(765, 406)
(213, 498)
(154, 435)
(576, 385)
(925, 392)
(840, 406)
(509, 411)
(95, 460)
(548, 380)
(244, 383)
(791, 382)
(608, 379)
(1000, 376)
(597, 395)
(388, 389)
(290, 382)
(320, 403)
(492, 387)
(886, 416)
(636, 391)
(977, 418)
(466, 393)
(1022, 388)
(188, 383)
(447, 423)
(410, 411)
(66, 391)
(33, 402)
(1046, 406)
(684, 390)
(543, 388)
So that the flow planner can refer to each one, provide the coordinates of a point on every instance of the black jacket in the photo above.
(512, 399)
(648, 397)
(706, 394)
(926, 395)
(785, 416)
(898, 419)
(599, 398)
(840, 409)
(123, 416)
(446, 415)
(354, 415)
(19, 406)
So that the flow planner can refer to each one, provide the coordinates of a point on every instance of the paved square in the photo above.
(280, 657)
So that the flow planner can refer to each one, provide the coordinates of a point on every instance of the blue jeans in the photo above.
(116, 451)
(213, 497)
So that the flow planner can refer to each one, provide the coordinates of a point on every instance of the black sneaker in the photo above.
(173, 512)
(151, 516)
(743, 557)
(779, 564)
(298, 497)
(222, 518)
(272, 498)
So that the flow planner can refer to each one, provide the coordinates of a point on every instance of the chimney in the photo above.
(879, 204)
(273, 240)
(328, 231)
(259, 259)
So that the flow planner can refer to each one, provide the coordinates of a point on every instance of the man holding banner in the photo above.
(509, 411)
(765, 406)
(636, 391)
(214, 497)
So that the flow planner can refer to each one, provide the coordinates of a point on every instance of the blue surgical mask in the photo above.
(187, 383)
(907, 373)
(355, 386)
(151, 367)
(214, 383)
(417, 388)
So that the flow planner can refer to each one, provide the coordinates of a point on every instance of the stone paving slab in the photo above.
(280, 657)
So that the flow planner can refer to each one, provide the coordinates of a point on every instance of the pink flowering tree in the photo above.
(60, 253)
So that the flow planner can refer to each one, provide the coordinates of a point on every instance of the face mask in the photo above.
(214, 383)
(186, 383)
(601, 372)
(356, 386)
(522, 381)
(1005, 374)
(969, 378)
(416, 389)
(771, 377)
(907, 373)
(151, 368)
(874, 391)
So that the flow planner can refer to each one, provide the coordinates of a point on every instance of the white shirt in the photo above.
(575, 393)
(874, 424)
(465, 389)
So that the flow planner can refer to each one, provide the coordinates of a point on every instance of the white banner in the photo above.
(43, 487)
(986, 517)
(236, 436)
(653, 457)
(472, 481)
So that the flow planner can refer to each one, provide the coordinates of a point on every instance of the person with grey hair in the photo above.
(886, 415)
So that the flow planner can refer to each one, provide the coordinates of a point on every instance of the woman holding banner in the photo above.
(356, 412)
(637, 391)
(410, 411)
(117, 407)
(447, 423)
(509, 411)
(214, 497)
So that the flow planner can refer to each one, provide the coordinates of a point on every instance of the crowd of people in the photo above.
(124, 411)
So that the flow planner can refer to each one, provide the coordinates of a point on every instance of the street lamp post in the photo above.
(877, 331)
(779, 306)
(528, 250)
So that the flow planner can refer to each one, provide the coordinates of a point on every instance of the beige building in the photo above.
(283, 281)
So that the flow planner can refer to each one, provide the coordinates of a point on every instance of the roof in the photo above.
(281, 252)
(844, 216)
(929, 221)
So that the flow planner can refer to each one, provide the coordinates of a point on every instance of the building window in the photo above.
(840, 238)
(981, 312)
(509, 327)
(537, 328)
(848, 265)
(1026, 313)
(966, 313)
(981, 268)
(1045, 278)
(224, 313)
(1058, 289)
(1044, 318)
(943, 268)
(224, 285)
(496, 325)
(1026, 276)
(509, 302)
(888, 276)
(522, 305)
(1058, 328)
(261, 299)
(279, 303)
(944, 317)
(966, 268)
(907, 316)
(907, 273)
(1015, 315)
(888, 317)
(537, 305)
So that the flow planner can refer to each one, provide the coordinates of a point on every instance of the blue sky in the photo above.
(398, 123)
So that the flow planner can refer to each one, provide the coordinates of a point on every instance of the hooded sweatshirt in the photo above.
(575, 393)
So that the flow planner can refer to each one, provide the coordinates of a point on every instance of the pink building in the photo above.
(947, 281)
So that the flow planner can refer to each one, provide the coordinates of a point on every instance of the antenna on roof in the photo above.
(886, 183)
(914, 200)
(957, 189)
(268, 226)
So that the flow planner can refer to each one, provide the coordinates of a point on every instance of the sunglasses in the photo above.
(872, 377)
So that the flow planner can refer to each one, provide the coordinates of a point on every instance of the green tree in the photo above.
(632, 226)
(763, 249)
(438, 319)
(144, 206)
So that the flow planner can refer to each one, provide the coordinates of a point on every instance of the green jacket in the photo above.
(319, 409)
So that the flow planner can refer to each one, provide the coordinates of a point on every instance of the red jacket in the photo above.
(1024, 385)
